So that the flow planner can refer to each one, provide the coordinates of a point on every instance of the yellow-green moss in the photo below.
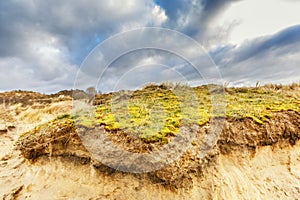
(61, 123)
(155, 112)
(135, 116)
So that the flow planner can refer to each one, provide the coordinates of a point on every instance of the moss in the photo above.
(259, 103)
(148, 115)
(64, 116)
(255, 119)
(154, 113)
(52, 128)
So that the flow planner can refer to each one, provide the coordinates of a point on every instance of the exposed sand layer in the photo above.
(248, 161)
(231, 172)
(272, 172)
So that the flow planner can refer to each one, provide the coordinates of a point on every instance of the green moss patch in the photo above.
(157, 111)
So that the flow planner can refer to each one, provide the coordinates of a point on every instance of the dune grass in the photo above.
(156, 112)
(260, 103)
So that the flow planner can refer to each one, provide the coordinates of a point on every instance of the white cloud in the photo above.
(255, 61)
(43, 42)
(159, 16)
(259, 17)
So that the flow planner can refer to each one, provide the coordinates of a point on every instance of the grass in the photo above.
(62, 123)
(149, 114)
(260, 103)
(157, 111)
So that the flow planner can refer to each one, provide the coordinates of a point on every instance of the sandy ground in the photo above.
(270, 172)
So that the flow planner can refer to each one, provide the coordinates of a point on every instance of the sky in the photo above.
(44, 45)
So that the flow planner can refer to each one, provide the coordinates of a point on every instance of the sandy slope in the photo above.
(270, 173)
(266, 172)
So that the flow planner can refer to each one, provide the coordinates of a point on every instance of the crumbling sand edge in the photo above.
(237, 135)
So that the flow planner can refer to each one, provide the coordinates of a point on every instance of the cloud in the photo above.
(164, 54)
(273, 58)
(194, 17)
(50, 39)
(259, 18)
(284, 42)
(44, 42)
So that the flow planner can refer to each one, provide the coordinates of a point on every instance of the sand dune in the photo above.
(249, 161)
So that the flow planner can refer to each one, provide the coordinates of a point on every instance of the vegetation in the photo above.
(260, 102)
(62, 123)
(157, 111)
